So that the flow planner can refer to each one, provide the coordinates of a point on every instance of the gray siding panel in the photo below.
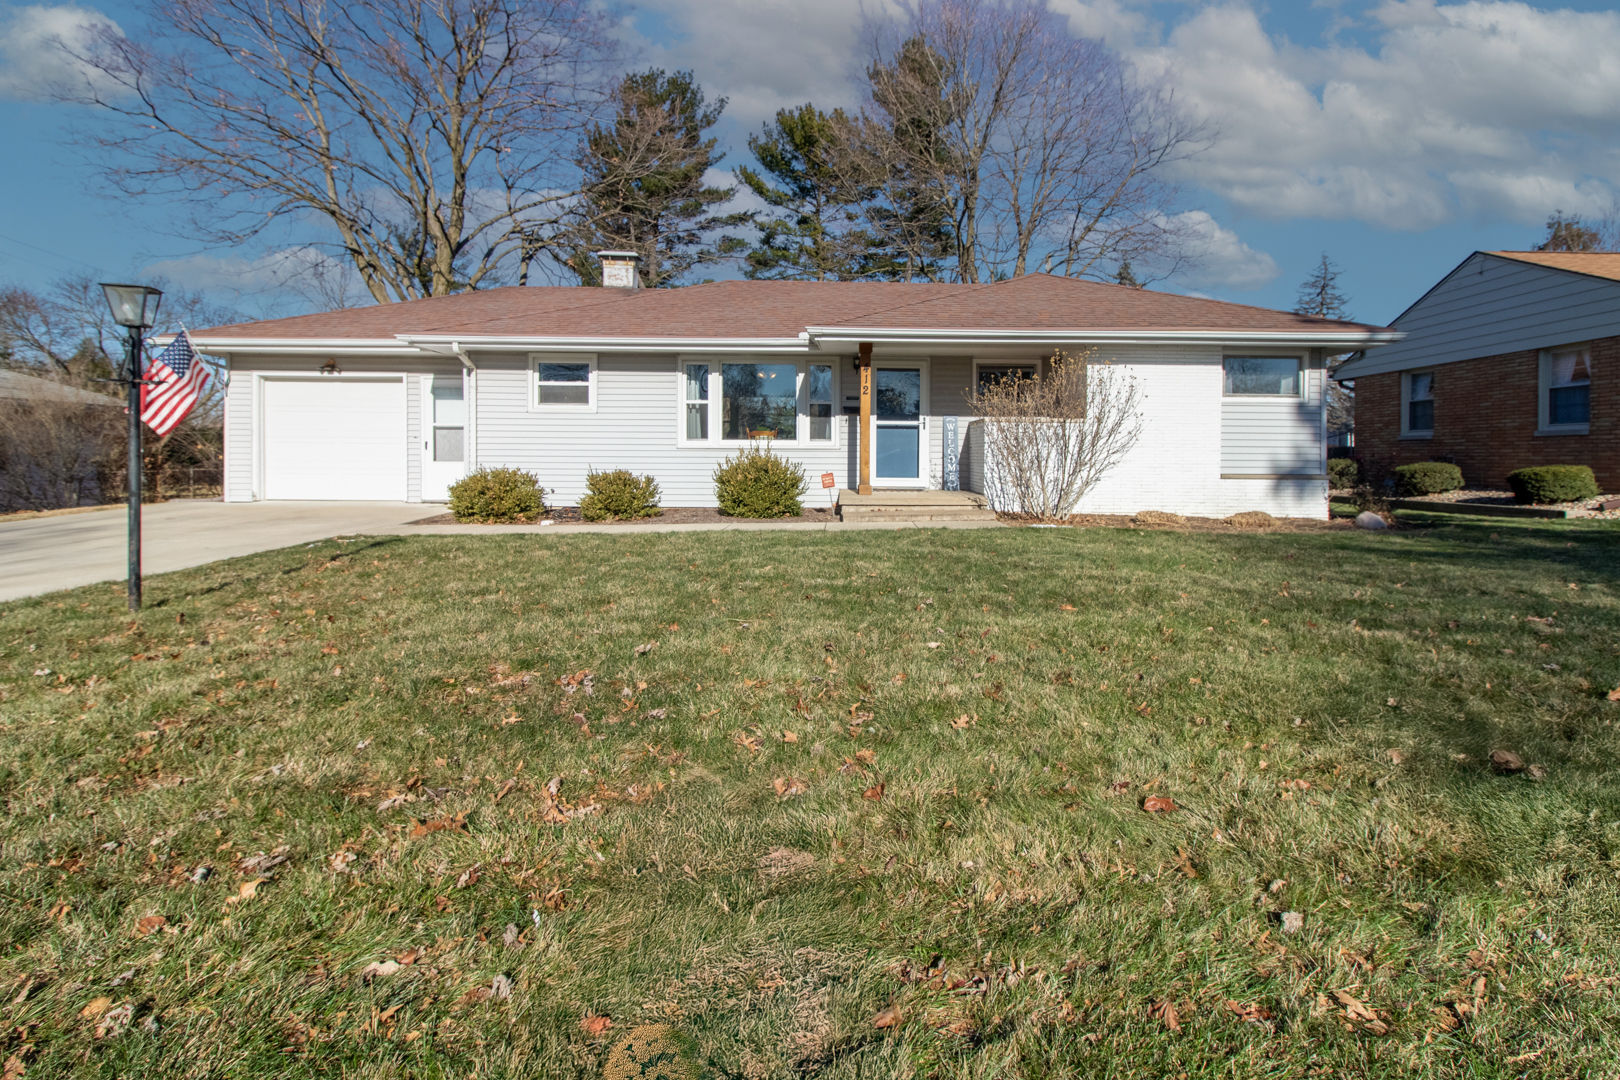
(1491, 305)
(1260, 436)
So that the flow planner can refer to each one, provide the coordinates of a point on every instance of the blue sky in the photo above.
(1395, 136)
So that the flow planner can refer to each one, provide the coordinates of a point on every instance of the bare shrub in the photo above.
(56, 454)
(1050, 437)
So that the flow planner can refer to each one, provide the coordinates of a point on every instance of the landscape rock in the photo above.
(1506, 761)
(1369, 520)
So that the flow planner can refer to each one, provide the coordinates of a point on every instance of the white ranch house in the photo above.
(395, 402)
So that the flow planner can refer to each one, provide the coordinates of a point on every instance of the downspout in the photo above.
(470, 398)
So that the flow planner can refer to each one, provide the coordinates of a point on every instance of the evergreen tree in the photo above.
(813, 232)
(1126, 275)
(1319, 293)
(644, 187)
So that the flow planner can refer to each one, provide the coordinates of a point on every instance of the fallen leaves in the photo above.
(1165, 1012)
(789, 786)
(1614, 695)
(643, 650)
(442, 823)
(150, 925)
(745, 741)
(1252, 1013)
(1506, 762)
(340, 861)
(96, 1007)
(1358, 1012)
(262, 863)
(874, 793)
(379, 969)
(963, 722)
(1292, 922)
(1159, 804)
(891, 1017)
(789, 737)
(595, 1027)
(114, 1021)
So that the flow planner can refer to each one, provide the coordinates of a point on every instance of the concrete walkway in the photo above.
(43, 554)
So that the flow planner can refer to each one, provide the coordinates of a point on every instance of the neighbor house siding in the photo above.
(1491, 306)
(1486, 412)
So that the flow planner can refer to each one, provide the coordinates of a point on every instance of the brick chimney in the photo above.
(619, 269)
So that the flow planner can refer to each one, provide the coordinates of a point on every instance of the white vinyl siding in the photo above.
(1263, 437)
(1489, 306)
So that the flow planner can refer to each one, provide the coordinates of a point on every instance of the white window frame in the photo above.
(802, 368)
(1407, 431)
(1302, 384)
(537, 406)
(1544, 393)
(978, 362)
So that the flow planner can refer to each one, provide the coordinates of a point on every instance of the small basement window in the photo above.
(1262, 376)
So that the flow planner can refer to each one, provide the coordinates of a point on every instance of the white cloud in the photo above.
(37, 43)
(320, 279)
(1226, 262)
(1483, 108)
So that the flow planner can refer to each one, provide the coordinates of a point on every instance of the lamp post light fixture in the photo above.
(134, 307)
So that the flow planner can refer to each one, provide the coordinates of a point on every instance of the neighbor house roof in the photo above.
(19, 386)
(1603, 264)
(789, 314)
(1498, 302)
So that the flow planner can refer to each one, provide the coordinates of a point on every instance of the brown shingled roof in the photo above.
(1603, 264)
(783, 309)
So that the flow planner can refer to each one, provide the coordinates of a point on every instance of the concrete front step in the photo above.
(914, 506)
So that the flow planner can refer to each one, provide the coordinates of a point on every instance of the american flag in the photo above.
(177, 377)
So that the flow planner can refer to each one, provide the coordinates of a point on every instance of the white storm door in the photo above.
(334, 438)
(899, 430)
(444, 435)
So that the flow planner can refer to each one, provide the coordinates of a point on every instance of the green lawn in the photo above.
(963, 728)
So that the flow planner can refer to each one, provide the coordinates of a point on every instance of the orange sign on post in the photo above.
(827, 480)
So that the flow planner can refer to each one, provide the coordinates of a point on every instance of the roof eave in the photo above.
(1359, 339)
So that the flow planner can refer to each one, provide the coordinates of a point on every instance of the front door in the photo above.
(444, 428)
(899, 424)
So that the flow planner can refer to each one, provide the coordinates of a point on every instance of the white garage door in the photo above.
(334, 438)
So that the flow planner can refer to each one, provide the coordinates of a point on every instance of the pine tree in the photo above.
(644, 188)
(1126, 275)
(813, 232)
(1319, 293)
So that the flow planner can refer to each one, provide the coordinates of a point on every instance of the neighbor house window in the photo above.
(1262, 376)
(740, 401)
(1566, 390)
(565, 382)
(1417, 403)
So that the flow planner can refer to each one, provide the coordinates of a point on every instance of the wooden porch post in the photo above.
(866, 418)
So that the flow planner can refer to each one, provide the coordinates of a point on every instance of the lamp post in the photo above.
(134, 307)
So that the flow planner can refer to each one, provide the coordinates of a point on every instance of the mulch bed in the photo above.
(669, 515)
(1493, 497)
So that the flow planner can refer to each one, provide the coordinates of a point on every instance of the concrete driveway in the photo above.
(40, 555)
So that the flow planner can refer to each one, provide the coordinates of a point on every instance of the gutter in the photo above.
(534, 343)
(923, 336)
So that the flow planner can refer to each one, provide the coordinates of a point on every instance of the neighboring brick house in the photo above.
(1510, 361)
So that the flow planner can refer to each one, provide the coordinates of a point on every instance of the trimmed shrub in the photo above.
(492, 496)
(620, 495)
(1553, 484)
(1343, 473)
(1427, 478)
(758, 484)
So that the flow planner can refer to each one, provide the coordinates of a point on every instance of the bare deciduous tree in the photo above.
(1050, 437)
(1041, 151)
(56, 452)
(432, 138)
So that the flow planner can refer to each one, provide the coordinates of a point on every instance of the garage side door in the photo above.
(334, 438)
